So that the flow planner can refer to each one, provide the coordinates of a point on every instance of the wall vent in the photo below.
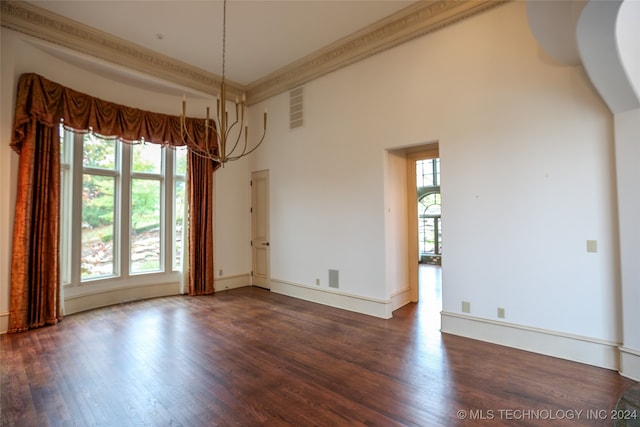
(334, 279)
(296, 108)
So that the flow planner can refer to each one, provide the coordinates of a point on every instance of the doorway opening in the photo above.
(429, 231)
(429, 211)
(425, 235)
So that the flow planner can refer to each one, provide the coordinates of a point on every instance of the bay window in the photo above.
(122, 211)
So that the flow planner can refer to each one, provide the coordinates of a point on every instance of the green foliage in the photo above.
(98, 200)
(146, 158)
(145, 203)
(98, 152)
(98, 193)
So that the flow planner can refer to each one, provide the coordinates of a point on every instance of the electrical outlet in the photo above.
(500, 312)
(466, 307)
(318, 282)
(220, 272)
(592, 246)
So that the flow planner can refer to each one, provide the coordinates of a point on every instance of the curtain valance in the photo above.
(48, 102)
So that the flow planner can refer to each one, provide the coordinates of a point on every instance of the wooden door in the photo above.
(260, 246)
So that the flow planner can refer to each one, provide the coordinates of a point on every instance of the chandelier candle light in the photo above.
(227, 149)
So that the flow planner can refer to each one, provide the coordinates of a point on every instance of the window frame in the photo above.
(72, 171)
(149, 176)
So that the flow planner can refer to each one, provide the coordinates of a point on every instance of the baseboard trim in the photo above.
(4, 322)
(83, 302)
(400, 298)
(591, 351)
(359, 304)
(231, 282)
(630, 363)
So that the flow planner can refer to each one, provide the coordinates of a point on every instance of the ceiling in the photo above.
(262, 35)
(271, 45)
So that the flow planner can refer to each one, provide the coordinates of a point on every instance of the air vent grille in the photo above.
(296, 108)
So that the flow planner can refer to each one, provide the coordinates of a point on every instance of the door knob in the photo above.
(266, 243)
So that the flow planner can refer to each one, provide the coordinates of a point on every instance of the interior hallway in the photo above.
(430, 296)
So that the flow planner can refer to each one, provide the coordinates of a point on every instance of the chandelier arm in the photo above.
(235, 145)
(202, 153)
(250, 151)
(205, 155)
(206, 152)
(187, 139)
(228, 132)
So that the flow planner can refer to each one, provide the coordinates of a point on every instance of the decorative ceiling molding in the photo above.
(51, 27)
(414, 21)
(421, 18)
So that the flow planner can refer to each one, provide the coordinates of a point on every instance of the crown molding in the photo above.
(57, 29)
(414, 21)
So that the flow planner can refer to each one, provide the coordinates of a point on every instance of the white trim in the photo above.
(359, 304)
(400, 298)
(4, 322)
(591, 351)
(221, 284)
(88, 301)
(630, 363)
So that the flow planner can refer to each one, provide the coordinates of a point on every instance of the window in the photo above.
(179, 206)
(100, 174)
(122, 210)
(429, 206)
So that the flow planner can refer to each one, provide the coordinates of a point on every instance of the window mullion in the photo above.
(76, 209)
(125, 210)
(168, 240)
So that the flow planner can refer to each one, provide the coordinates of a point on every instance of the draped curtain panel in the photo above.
(41, 105)
(200, 188)
(35, 271)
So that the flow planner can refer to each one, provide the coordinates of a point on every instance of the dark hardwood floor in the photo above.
(249, 357)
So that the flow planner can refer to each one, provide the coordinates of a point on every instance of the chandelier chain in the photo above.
(224, 146)
(224, 38)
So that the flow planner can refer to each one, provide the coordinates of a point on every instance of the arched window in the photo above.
(429, 224)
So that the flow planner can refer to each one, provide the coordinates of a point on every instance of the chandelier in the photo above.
(228, 134)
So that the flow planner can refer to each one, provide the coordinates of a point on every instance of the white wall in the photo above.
(232, 223)
(627, 128)
(527, 176)
(628, 154)
(22, 54)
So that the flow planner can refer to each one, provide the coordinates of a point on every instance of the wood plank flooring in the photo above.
(249, 357)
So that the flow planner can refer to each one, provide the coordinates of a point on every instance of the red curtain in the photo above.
(40, 106)
(201, 271)
(35, 272)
